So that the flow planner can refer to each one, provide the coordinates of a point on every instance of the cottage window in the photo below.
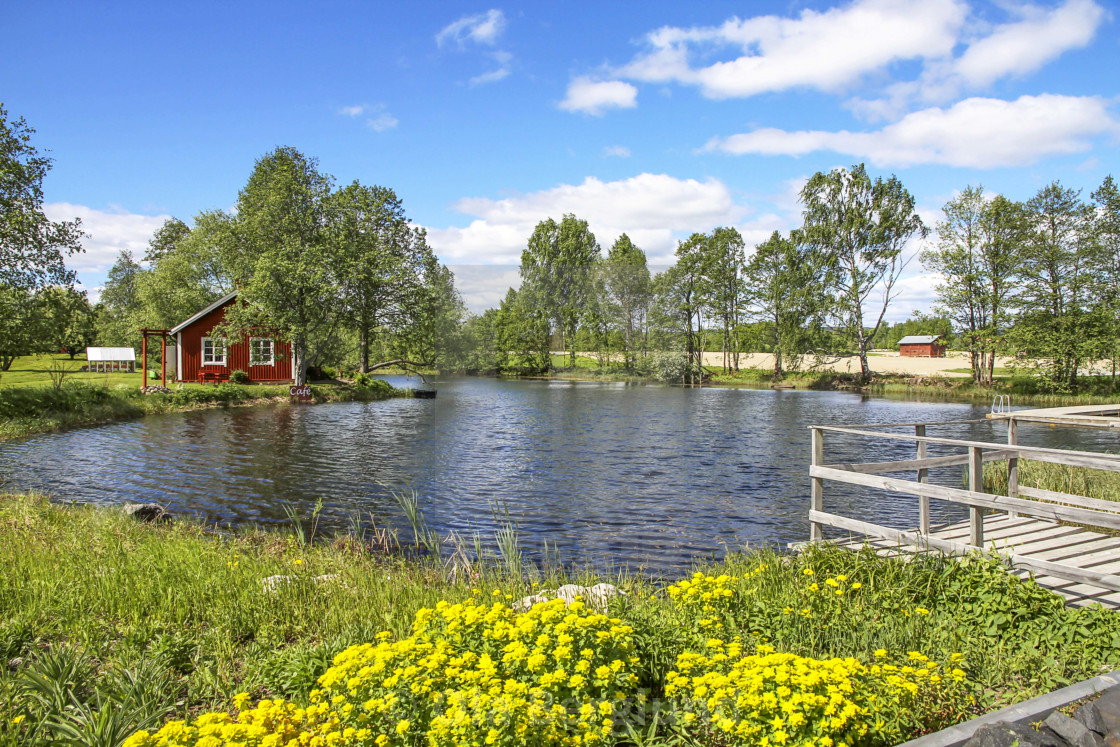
(261, 352)
(213, 351)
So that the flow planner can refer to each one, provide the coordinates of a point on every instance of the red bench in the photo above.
(205, 377)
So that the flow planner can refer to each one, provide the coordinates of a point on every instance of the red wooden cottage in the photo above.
(921, 346)
(200, 357)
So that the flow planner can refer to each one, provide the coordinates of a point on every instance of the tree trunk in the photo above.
(778, 372)
(363, 347)
(299, 362)
(864, 366)
(991, 367)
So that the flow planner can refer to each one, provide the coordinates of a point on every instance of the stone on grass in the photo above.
(596, 596)
(150, 512)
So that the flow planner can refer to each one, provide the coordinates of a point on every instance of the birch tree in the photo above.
(860, 226)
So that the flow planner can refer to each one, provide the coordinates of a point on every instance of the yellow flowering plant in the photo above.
(769, 698)
(468, 674)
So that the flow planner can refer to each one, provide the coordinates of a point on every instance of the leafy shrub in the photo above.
(669, 366)
(237, 376)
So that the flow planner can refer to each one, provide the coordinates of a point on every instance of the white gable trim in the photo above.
(220, 302)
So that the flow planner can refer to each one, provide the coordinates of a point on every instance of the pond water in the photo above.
(609, 474)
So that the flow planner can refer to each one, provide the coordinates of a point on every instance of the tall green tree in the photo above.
(33, 249)
(119, 308)
(1106, 217)
(861, 225)
(382, 259)
(724, 257)
(166, 238)
(978, 255)
(68, 320)
(627, 286)
(557, 270)
(187, 273)
(786, 286)
(678, 302)
(1060, 262)
(281, 251)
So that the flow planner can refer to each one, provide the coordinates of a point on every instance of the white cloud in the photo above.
(382, 122)
(618, 151)
(484, 28)
(654, 209)
(352, 111)
(594, 97)
(491, 77)
(976, 132)
(108, 234)
(825, 50)
(1025, 45)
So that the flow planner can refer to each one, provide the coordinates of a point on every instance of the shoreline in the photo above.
(87, 406)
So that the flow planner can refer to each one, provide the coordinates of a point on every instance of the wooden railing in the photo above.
(1020, 500)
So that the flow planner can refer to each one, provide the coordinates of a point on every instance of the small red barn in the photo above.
(200, 357)
(921, 346)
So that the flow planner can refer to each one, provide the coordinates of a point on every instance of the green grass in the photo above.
(183, 610)
(27, 409)
(35, 370)
(1060, 478)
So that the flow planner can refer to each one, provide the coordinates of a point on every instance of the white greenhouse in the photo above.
(104, 360)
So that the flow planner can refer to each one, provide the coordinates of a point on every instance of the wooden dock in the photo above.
(1069, 542)
(1046, 540)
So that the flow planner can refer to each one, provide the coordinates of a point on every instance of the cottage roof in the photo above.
(110, 355)
(220, 302)
(919, 339)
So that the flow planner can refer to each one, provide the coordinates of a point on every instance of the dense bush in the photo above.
(237, 376)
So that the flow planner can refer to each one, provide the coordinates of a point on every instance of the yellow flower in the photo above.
(17, 720)
(808, 571)
(402, 726)
(297, 561)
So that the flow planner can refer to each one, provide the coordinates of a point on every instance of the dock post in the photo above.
(976, 485)
(816, 496)
(1013, 462)
(923, 476)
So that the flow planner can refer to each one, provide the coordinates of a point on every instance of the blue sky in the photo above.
(654, 118)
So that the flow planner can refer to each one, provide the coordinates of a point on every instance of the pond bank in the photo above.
(183, 610)
(26, 411)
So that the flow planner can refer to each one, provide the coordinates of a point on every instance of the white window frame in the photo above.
(271, 361)
(215, 344)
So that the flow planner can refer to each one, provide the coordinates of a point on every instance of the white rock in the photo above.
(596, 596)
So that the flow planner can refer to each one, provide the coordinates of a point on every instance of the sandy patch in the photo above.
(886, 363)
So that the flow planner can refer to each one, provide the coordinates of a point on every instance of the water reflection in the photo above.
(610, 473)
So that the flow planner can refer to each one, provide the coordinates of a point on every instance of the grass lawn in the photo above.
(107, 622)
(35, 370)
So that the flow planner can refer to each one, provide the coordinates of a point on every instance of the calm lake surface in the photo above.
(610, 474)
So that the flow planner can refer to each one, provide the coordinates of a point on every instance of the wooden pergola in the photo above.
(163, 334)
